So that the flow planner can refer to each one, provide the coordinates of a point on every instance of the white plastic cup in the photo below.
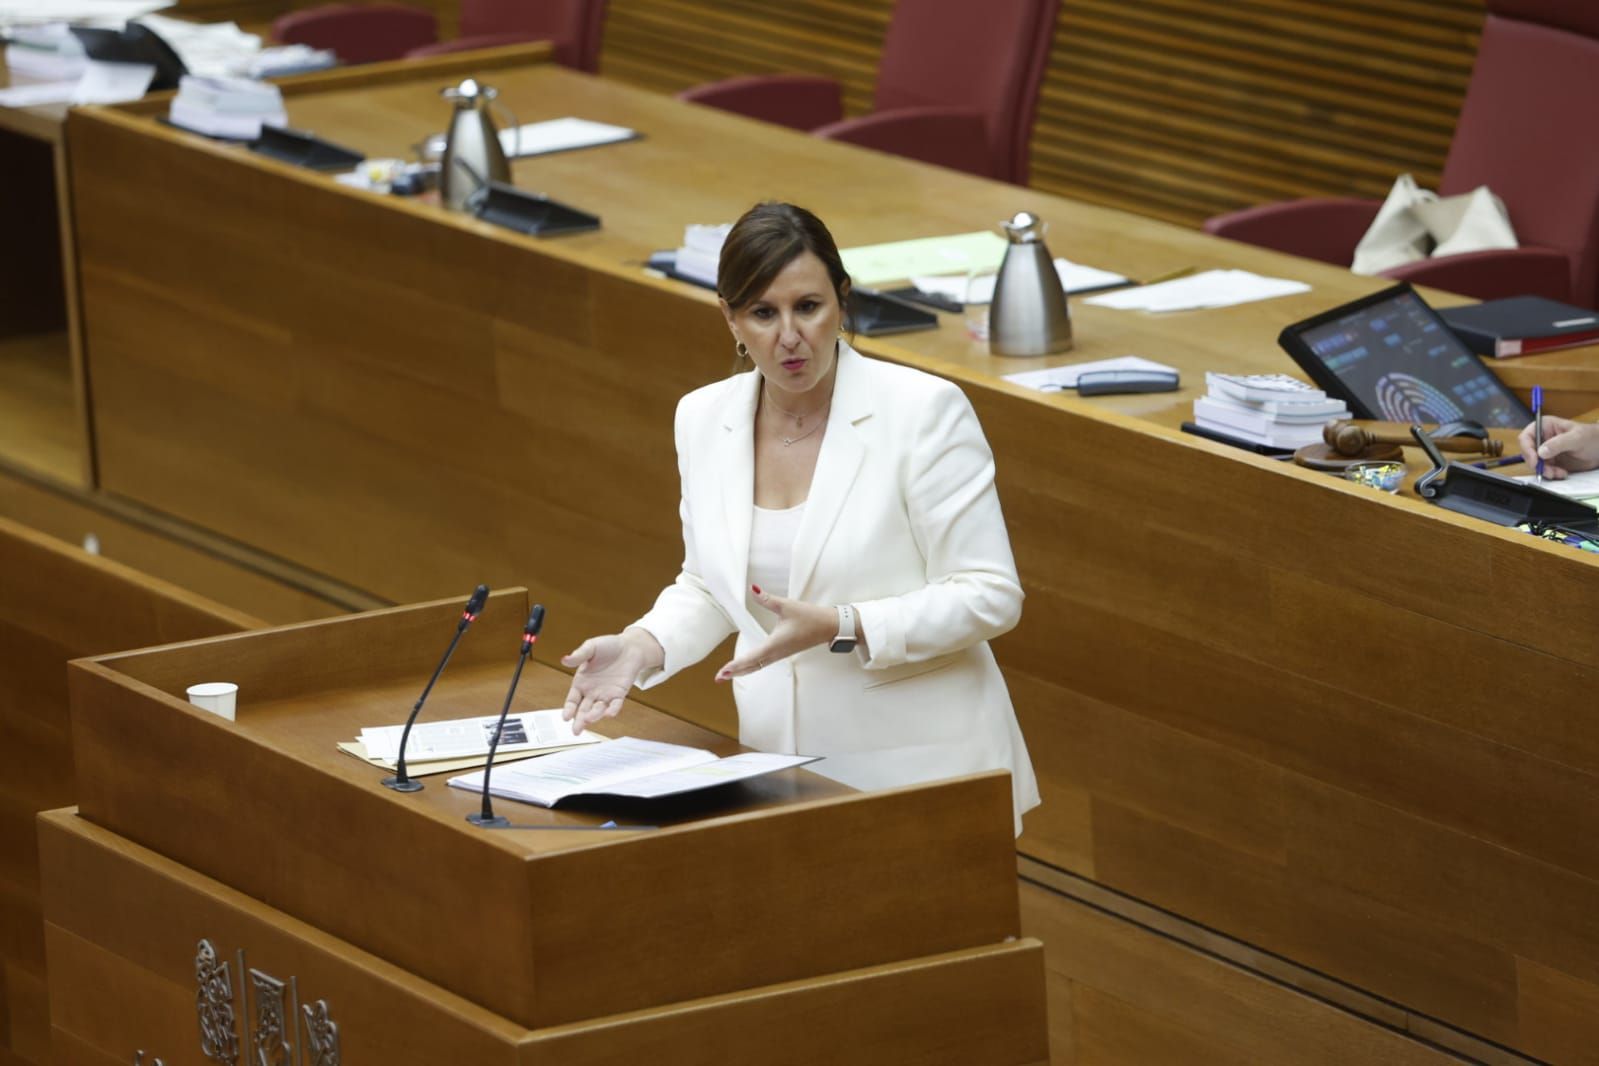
(218, 697)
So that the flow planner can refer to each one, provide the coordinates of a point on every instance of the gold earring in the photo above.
(741, 349)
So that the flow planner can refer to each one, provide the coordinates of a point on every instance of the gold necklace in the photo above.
(799, 419)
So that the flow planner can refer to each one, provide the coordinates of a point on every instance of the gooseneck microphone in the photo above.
(401, 781)
(530, 636)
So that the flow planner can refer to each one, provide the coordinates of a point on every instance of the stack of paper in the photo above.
(437, 747)
(1210, 288)
(215, 49)
(701, 252)
(227, 107)
(107, 13)
(47, 53)
(100, 83)
(1269, 409)
(560, 135)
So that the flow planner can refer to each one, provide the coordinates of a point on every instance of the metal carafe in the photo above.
(472, 152)
(1028, 315)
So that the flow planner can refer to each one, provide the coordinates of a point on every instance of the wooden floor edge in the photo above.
(1269, 966)
(197, 539)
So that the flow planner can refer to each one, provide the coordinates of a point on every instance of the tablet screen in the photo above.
(1391, 357)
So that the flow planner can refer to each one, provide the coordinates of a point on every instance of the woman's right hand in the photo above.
(606, 669)
(1568, 446)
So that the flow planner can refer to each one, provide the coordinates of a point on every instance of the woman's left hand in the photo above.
(800, 625)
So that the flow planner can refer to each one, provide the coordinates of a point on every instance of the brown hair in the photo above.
(767, 239)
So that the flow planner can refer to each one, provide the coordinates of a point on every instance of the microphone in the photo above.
(401, 781)
(486, 818)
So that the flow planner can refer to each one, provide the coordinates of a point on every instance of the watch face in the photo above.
(841, 646)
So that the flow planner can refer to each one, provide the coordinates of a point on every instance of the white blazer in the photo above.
(902, 521)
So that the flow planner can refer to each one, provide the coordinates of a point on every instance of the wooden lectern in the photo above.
(243, 892)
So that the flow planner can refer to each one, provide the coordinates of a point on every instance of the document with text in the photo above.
(464, 738)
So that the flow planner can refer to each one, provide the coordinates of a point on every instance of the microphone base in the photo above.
(493, 821)
(410, 784)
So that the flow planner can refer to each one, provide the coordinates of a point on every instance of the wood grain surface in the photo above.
(122, 968)
(755, 875)
(1319, 690)
(57, 603)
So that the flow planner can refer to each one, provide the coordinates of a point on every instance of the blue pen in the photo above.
(1537, 426)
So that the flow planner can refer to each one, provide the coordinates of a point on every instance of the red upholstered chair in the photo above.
(574, 27)
(1526, 130)
(958, 85)
(359, 33)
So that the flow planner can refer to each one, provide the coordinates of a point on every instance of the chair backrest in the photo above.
(359, 33)
(1528, 128)
(989, 56)
(575, 27)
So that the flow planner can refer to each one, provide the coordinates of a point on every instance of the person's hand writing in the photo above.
(800, 625)
(606, 669)
(1568, 446)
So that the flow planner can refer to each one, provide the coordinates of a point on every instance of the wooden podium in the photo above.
(244, 892)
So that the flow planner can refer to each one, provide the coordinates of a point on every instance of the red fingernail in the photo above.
(757, 589)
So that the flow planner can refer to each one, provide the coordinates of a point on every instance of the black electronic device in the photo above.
(1493, 497)
(134, 43)
(1391, 357)
(931, 300)
(526, 212)
(877, 314)
(1111, 382)
(1219, 437)
(303, 149)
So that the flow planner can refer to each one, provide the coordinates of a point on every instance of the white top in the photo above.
(771, 555)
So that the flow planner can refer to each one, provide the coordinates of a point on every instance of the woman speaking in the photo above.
(839, 515)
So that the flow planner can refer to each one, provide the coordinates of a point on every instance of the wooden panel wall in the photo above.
(1124, 995)
(58, 603)
(1177, 109)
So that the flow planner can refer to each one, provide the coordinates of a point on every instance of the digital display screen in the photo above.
(1402, 363)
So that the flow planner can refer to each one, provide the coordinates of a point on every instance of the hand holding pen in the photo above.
(1560, 446)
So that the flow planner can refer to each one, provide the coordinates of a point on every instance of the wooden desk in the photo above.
(1293, 710)
(550, 942)
(58, 603)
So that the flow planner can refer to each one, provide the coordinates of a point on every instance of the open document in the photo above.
(464, 742)
(627, 766)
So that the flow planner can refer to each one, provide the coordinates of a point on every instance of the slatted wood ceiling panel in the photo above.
(1173, 108)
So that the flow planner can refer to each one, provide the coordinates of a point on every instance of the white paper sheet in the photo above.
(1074, 277)
(99, 12)
(113, 83)
(466, 737)
(626, 766)
(559, 135)
(38, 94)
(1065, 377)
(1582, 486)
(1207, 289)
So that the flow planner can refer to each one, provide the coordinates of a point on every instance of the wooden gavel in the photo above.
(1351, 438)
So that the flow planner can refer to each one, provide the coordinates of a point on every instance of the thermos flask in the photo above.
(1028, 315)
(472, 153)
